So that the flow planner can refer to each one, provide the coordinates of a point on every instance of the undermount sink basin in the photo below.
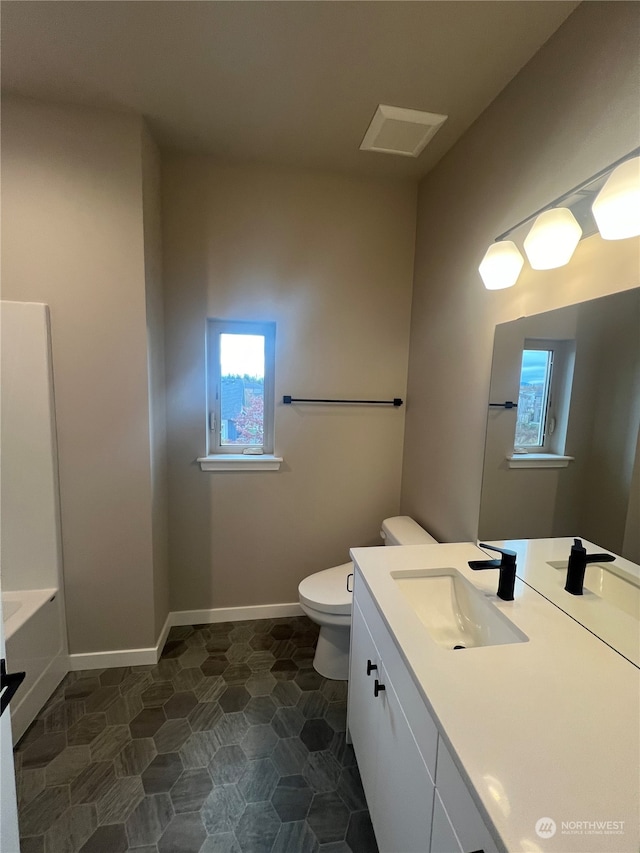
(454, 612)
(611, 583)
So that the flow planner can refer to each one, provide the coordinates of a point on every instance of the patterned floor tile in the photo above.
(44, 810)
(259, 741)
(67, 765)
(185, 834)
(149, 820)
(222, 809)
(295, 836)
(328, 817)
(172, 735)
(191, 790)
(232, 743)
(258, 828)
(162, 773)
(292, 798)
(119, 800)
(71, 830)
(360, 837)
(107, 839)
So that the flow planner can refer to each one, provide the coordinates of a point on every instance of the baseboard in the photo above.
(162, 639)
(151, 655)
(122, 657)
(234, 614)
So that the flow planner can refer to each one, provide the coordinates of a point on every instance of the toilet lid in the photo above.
(326, 591)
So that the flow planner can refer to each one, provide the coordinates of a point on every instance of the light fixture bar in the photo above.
(578, 188)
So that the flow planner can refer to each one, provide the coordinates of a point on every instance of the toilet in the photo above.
(326, 599)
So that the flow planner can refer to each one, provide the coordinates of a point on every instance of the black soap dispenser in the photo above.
(576, 568)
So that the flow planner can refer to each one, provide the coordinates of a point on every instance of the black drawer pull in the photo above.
(9, 683)
(371, 667)
(350, 575)
(377, 687)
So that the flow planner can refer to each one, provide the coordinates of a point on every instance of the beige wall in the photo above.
(329, 259)
(72, 236)
(571, 111)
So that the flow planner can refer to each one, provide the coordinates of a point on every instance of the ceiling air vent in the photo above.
(394, 130)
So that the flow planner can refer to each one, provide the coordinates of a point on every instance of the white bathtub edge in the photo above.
(151, 655)
(25, 709)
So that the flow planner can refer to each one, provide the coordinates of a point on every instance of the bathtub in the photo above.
(35, 644)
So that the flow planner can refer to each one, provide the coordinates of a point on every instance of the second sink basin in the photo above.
(454, 612)
(611, 583)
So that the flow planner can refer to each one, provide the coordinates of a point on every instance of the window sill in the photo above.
(538, 460)
(240, 462)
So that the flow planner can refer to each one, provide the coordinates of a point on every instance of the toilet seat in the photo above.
(326, 591)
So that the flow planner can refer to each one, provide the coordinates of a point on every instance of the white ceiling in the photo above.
(277, 82)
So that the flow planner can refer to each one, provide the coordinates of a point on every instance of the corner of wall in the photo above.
(152, 227)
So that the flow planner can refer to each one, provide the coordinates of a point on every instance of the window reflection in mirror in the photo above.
(597, 495)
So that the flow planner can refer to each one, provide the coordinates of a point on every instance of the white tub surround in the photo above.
(37, 646)
(610, 604)
(32, 583)
(507, 734)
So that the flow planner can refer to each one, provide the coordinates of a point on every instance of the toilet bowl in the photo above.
(326, 599)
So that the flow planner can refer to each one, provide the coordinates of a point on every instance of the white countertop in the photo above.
(544, 728)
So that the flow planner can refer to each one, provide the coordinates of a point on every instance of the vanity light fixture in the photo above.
(501, 265)
(553, 239)
(617, 207)
(608, 202)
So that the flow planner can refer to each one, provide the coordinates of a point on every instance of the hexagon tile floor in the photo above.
(232, 743)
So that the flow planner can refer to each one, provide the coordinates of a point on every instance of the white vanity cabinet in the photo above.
(396, 780)
(397, 746)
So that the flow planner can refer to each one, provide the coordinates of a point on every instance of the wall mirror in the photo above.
(566, 460)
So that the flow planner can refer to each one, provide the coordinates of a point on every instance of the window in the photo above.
(546, 373)
(534, 398)
(240, 365)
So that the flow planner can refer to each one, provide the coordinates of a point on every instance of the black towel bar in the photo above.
(287, 399)
(509, 404)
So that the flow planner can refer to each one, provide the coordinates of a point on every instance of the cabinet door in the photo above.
(404, 793)
(443, 838)
(364, 711)
(463, 813)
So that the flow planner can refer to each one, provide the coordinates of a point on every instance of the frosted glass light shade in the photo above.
(617, 206)
(553, 239)
(501, 265)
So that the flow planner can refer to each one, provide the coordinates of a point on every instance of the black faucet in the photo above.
(578, 560)
(507, 566)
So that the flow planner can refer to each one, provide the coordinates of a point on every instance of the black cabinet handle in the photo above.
(377, 687)
(9, 683)
(371, 667)
(350, 575)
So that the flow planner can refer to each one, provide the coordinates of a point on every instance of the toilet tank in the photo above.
(403, 530)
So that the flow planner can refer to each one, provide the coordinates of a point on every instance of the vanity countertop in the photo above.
(547, 728)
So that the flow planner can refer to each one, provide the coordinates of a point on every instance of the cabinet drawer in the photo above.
(422, 725)
(468, 823)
